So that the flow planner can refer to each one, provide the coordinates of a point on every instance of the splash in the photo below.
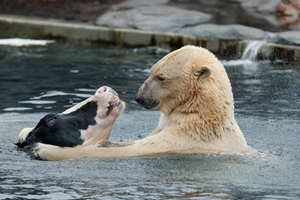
(251, 50)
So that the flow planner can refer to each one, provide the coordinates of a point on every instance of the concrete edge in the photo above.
(34, 28)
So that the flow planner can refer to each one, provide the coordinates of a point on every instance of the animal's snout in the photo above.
(140, 100)
(147, 103)
(105, 89)
(112, 91)
(140, 97)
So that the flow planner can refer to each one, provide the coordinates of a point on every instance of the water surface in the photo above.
(42, 79)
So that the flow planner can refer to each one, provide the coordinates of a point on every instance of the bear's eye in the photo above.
(160, 77)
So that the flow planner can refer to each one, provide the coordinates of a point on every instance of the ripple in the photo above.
(85, 90)
(12, 109)
(60, 93)
(74, 71)
(37, 102)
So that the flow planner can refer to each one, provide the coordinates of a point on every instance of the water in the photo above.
(251, 50)
(42, 79)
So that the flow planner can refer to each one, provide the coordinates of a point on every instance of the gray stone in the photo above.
(261, 6)
(129, 4)
(227, 32)
(154, 17)
(289, 37)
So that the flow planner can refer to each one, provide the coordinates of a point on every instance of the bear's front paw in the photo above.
(46, 151)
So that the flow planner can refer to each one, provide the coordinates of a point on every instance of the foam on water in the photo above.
(249, 55)
(237, 62)
(24, 42)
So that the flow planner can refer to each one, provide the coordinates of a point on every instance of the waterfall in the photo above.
(249, 55)
(251, 50)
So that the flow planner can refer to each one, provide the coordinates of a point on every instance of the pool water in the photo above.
(55, 76)
(42, 79)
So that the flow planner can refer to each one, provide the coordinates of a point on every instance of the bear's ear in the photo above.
(202, 72)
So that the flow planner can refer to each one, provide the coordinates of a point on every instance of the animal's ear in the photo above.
(202, 72)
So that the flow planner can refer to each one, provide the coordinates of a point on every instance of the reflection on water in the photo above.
(38, 80)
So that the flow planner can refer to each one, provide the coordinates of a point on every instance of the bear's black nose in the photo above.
(147, 103)
(140, 100)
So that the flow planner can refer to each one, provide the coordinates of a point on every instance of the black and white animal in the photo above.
(89, 122)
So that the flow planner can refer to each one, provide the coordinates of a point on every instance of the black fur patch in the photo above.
(62, 130)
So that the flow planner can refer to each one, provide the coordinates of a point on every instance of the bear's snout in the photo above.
(147, 103)
(139, 100)
(145, 95)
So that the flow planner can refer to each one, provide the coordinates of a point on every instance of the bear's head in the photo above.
(188, 80)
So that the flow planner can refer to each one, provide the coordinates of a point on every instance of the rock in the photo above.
(261, 6)
(285, 13)
(129, 4)
(227, 32)
(289, 37)
(153, 18)
(295, 4)
(289, 16)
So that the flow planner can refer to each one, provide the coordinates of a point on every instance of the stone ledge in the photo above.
(33, 28)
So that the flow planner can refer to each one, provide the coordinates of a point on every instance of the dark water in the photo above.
(266, 89)
(50, 78)
(39, 80)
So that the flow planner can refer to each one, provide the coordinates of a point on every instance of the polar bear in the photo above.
(191, 89)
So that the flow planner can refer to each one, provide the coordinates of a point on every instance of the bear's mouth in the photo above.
(150, 105)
